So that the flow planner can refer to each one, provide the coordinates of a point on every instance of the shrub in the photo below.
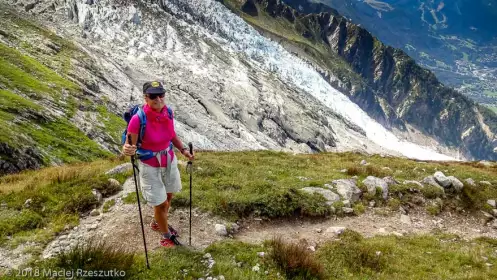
(295, 260)
(96, 256)
(430, 191)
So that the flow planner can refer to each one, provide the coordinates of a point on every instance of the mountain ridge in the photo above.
(376, 63)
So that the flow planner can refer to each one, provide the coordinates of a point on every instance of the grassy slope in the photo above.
(265, 183)
(33, 78)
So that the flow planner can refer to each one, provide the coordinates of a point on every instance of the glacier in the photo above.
(235, 35)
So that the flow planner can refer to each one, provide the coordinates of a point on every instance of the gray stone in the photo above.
(372, 203)
(487, 183)
(470, 182)
(120, 169)
(492, 203)
(115, 183)
(330, 196)
(487, 163)
(487, 215)
(94, 212)
(391, 181)
(347, 210)
(98, 196)
(430, 180)
(27, 203)
(455, 183)
(364, 162)
(335, 230)
(221, 230)
(346, 203)
(405, 219)
(235, 227)
(372, 183)
(347, 189)
(442, 179)
(93, 226)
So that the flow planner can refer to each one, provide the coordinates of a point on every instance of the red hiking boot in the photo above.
(166, 242)
(155, 227)
(170, 242)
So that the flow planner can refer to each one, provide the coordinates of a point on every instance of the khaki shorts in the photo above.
(155, 183)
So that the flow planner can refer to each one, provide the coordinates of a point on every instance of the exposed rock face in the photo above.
(395, 90)
(250, 8)
(14, 160)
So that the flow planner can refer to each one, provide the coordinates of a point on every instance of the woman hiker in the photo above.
(159, 175)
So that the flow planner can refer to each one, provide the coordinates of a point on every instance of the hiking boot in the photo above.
(155, 227)
(175, 240)
(166, 242)
(172, 230)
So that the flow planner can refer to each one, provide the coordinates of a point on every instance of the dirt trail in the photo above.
(368, 224)
(121, 227)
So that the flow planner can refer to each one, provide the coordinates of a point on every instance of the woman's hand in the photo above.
(187, 154)
(129, 150)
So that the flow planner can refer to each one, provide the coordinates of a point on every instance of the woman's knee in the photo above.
(163, 206)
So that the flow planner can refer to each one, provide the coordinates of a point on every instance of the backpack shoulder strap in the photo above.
(170, 113)
(143, 124)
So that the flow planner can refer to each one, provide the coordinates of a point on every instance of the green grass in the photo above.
(415, 257)
(436, 256)
(36, 80)
(266, 183)
(108, 204)
(19, 71)
(263, 183)
(57, 137)
(111, 123)
(57, 197)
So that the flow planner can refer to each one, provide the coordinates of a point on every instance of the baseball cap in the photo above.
(154, 87)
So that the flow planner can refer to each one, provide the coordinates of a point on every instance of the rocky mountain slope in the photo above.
(384, 81)
(230, 87)
(454, 39)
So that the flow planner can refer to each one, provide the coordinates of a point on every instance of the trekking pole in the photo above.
(138, 199)
(190, 145)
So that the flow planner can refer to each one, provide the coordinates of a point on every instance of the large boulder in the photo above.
(330, 196)
(347, 189)
(455, 183)
(442, 179)
(372, 183)
(430, 180)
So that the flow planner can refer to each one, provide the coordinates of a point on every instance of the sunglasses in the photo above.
(154, 96)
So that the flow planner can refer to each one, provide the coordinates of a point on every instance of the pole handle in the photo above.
(129, 142)
(190, 146)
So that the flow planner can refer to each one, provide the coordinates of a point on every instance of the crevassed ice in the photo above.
(234, 33)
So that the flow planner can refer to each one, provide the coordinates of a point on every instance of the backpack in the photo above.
(138, 109)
